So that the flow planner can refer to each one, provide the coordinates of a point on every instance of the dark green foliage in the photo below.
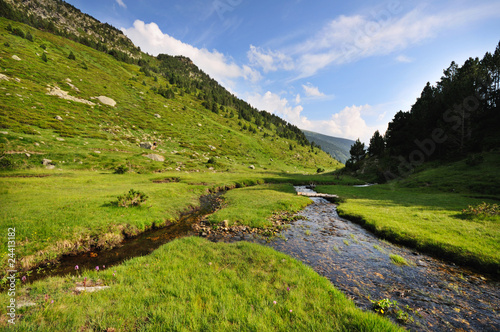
(320, 170)
(43, 46)
(357, 151)
(132, 198)
(44, 57)
(474, 160)
(211, 161)
(29, 36)
(18, 32)
(121, 169)
(377, 145)
(71, 56)
(458, 116)
(6, 44)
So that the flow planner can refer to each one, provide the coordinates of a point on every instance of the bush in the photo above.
(71, 56)
(474, 160)
(44, 57)
(320, 170)
(122, 169)
(132, 198)
(29, 37)
(483, 209)
(43, 46)
(18, 32)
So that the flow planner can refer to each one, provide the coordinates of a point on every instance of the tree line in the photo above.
(456, 117)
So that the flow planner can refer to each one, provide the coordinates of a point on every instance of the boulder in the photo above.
(158, 116)
(57, 117)
(251, 167)
(146, 145)
(107, 101)
(46, 162)
(15, 57)
(155, 157)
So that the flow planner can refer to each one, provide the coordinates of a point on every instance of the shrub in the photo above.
(320, 170)
(44, 57)
(474, 160)
(43, 46)
(132, 198)
(6, 44)
(29, 37)
(71, 56)
(18, 32)
(483, 209)
(121, 169)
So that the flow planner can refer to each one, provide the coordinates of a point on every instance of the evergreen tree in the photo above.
(377, 145)
(357, 151)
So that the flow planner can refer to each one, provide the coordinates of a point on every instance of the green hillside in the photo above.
(51, 110)
(338, 148)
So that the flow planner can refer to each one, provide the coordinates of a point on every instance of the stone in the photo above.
(146, 145)
(158, 116)
(251, 167)
(46, 162)
(4, 132)
(60, 139)
(155, 157)
(107, 101)
(57, 117)
(15, 57)
(211, 147)
(225, 224)
(51, 167)
(28, 155)
(3, 77)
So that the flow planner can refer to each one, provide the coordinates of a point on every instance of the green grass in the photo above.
(426, 219)
(187, 133)
(398, 260)
(253, 206)
(191, 285)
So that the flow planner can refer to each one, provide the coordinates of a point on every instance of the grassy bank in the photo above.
(191, 285)
(57, 212)
(253, 206)
(425, 219)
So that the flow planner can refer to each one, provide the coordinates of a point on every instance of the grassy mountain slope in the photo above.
(92, 135)
(338, 148)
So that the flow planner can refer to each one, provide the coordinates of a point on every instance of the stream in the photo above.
(433, 295)
(440, 296)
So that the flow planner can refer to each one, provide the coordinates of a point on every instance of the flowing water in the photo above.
(440, 296)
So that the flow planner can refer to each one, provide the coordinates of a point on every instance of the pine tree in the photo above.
(357, 151)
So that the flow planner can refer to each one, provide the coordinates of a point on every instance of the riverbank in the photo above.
(428, 220)
(56, 213)
(193, 284)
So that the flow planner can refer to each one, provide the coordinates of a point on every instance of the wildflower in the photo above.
(290, 310)
(76, 267)
(288, 288)
(23, 279)
(97, 268)
(104, 266)
(209, 263)
(274, 302)
(52, 301)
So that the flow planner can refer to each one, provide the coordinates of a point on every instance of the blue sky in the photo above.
(341, 68)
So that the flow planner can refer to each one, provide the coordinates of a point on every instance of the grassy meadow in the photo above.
(425, 212)
(192, 285)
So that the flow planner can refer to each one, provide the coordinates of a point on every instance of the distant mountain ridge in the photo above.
(337, 147)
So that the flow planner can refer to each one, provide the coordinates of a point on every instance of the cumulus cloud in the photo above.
(348, 123)
(121, 3)
(151, 39)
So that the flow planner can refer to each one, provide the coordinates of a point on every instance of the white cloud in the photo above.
(312, 91)
(348, 123)
(151, 39)
(351, 38)
(269, 60)
(404, 59)
(121, 3)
